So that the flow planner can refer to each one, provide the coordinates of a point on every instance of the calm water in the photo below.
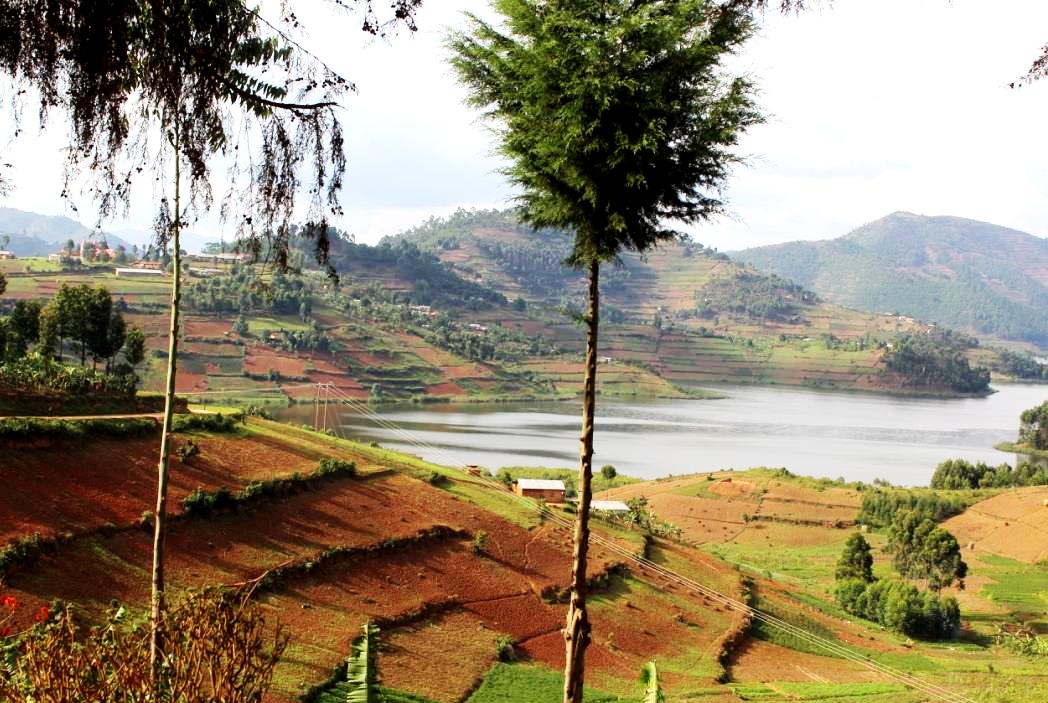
(858, 436)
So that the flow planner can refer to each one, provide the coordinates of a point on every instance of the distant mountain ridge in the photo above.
(33, 234)
(966, 274)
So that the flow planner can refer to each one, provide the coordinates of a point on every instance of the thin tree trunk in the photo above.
(160, 516)
(577, 630)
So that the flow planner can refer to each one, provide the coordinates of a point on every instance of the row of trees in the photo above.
(243, 291)
(881, 506)
(1033, 427)
(81, 317)
(959, 474)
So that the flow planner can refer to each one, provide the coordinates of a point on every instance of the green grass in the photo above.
(815, 691)
(1021, 587)
(525, 683)
(257, 324)
(337, 694)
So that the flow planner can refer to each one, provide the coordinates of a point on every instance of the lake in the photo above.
(816, 433)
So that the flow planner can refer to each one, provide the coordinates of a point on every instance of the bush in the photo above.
(24, 550)
(201, 422)
(504, 651)
(480, 542)
(35, 373)
(435, 478)
(958, 474)
(899, 606)
(879, 507)
(201, 503)
(79, 429)
(335, 467)
(187, 451)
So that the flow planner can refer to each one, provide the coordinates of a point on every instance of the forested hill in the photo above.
(686, 283)
(966, 274)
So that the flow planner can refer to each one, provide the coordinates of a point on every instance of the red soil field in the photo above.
(74, 487)
(757, 660)
(1013, 524)
(205, 327)
(258, 361)
(444, 389)
(186, 382)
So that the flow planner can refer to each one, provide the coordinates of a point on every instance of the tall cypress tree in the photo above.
(618, 119)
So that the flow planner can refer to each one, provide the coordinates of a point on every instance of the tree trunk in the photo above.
(577, 630)
(160, 515)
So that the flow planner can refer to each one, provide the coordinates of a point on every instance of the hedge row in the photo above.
(25, 427)
(203, 503)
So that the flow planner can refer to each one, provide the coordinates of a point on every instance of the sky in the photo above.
(872, 106)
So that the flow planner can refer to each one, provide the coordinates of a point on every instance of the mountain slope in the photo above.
(33, 234)
(687, 312)
(969, 275)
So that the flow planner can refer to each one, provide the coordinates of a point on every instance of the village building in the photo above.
(4, 254)
(550, 490)
(139, 272)
(220, 258)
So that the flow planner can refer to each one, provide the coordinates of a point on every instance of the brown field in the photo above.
(261, 361)
(761, 661)
(1013, 524)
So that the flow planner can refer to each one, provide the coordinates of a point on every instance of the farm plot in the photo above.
(1013, 524)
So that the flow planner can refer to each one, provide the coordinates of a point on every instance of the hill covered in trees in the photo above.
(969, 275)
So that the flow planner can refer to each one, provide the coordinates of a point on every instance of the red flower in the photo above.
(42, 614)
(9, 602)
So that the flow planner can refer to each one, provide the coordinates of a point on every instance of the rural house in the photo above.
(609, 506)
(550, 490)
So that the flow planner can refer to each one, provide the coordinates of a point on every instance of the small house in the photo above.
(4, 254)
(550, 490)
(609, 506)
(139, 273)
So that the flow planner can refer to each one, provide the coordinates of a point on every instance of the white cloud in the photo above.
(874, 106)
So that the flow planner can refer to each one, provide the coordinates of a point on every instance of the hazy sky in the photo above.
(873, 106)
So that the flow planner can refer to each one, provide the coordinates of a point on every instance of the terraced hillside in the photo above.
(385, 545)
(788, 533)
(688, 313)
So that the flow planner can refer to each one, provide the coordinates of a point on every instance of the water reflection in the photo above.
(812, 432)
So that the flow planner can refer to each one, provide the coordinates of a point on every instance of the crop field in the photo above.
(1013, 524)
(387, 547)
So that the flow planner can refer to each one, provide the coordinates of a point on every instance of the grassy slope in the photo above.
(793, 565)
(729, 348)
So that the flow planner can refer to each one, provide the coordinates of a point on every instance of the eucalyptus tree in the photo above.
(618, 118)
(168, 87)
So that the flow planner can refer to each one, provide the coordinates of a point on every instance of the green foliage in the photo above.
(206, 422)
(504, 651)
(243, 291)
(188, 451)
(435, 478)
(649, 677)
(23, 551)
(37, 374)
(22, 427)
(880, 506)
(641, 516)
(201, 503)
(329, 466)
(1024, 642)
(935, 361)
(1021, 366)
(959, 474)
(921, 550)
(362, 682)
(856, 561)
(135, 346)
(757, 296)
(527, 683)
(479, 543)
(899, 606)
(605, 140)
(956, 272)
(1033, 427)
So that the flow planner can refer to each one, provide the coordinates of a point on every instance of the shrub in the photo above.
(435, 478)
(504, 651)
(202, 422)
(879, 507)
(23, 551)
(34, 373)
(480, 542)
(335, 467)
(200, 503)
(188, 450)
(80, 429)
(899, 606)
